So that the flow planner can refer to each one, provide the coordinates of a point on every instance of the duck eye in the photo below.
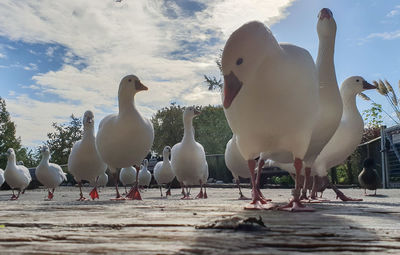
(239, 61)
(357, 80)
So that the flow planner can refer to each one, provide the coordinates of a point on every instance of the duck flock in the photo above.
(284, 110)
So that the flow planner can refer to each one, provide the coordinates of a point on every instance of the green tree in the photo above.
(8, 137)
(212, 82)
(372, 122)
(60, 141)
(168, 127)
(212, 129)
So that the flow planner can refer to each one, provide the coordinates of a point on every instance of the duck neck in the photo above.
(188, 130)
(45, 160)
(166, 157)
(12, 161)
(88, 132)
(126, 103)
(350, 110)
(325, 60)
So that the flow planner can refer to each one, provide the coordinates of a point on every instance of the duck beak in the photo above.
(232, 86)
(139, 86)
(367, 85)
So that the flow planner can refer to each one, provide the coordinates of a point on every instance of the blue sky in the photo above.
(64, 57)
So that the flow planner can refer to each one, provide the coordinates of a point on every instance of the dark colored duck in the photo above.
(369, 178)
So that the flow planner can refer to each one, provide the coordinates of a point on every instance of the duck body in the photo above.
(1, 177)
(49, 174)
(234, 160)
(102, 180)
(144, 175)
(189, 162)
(16, 176)
(369, 178)
(84, 161)
(163, 173)
(130, 133)
(127, 176)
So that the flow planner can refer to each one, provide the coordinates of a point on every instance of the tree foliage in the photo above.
(212, 82)
(211, 128)
(8, 137)
(60, 141)
(168, 127)
(373, 122)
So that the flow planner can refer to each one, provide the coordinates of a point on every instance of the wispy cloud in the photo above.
(168, 46)
(394, 12)
(385, 35)
(2, 55)
(31, 67)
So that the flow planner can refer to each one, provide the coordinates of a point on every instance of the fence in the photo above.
(390, 151)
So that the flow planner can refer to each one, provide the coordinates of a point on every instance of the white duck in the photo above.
(188, 159)
(49, 174)
(236, 164)
(102, 180)
(270, 93)
(16, 176)
(84, 161)
(127, 176)
(163, 171)
(330, 102)
(144, 175)
(349, 133)
(125, 138)
(1, 177)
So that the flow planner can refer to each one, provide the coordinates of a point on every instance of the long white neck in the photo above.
(165, 157)
(350, 111)
(11, 161)
(325, 60)
(188, 131)
(126, 104)
(88, 132)
(45, 159)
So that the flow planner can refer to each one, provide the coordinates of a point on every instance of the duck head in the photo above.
(130, 85)
(244, 52)
(45, 151)
(145, 163)
(326, 26)
(356, 84)
(10, 154)
(88, 119)
(166, 151)
(190, 112)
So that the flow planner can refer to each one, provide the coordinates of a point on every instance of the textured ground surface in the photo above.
(173, 226)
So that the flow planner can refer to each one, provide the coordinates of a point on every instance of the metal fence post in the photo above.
(384, 160)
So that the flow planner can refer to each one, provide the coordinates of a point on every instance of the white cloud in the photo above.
(394, 12)
(2, 55)
(385, 35)
(31, 67)
(169, 53)
(50, 51)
